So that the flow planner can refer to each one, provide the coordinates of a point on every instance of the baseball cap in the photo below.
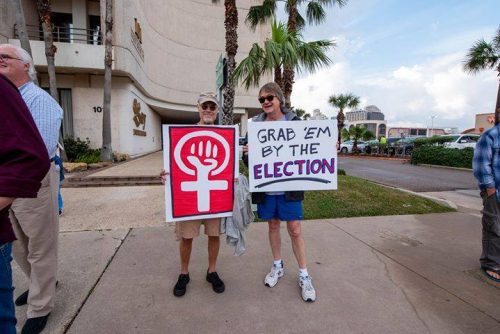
(208, 97)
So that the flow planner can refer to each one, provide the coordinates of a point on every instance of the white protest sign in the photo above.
(298, 155)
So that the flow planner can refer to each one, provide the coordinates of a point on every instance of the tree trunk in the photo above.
(288, 71)
(497, 108)
(21, 29)
(340, 123)
(106, 150)
(44, 11)
(278, 77)
(231, 24)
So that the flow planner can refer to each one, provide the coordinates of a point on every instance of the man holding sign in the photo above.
(202, 159)
(283, 163)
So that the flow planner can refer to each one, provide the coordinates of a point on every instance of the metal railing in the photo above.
(64, 34)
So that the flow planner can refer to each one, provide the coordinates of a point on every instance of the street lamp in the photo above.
(432, 123)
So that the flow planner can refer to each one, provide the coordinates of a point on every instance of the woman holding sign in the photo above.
(277, 206)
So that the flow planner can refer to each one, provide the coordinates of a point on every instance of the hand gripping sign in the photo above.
(201, 165)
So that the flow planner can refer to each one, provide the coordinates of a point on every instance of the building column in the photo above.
(80, 18)
(244, 124)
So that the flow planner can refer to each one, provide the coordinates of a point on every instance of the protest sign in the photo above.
(201, 164)
(298, 155)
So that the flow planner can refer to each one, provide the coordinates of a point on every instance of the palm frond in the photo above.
(315, 13)
(313, 55)
(342, 101)
(260, 14)
(301, 23)
(481, 56)
(340, 3)
(249, 69)
(496, 40)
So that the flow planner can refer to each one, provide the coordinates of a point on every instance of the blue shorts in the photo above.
(275, 206)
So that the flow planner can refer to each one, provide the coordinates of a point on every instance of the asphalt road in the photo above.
(407, 176)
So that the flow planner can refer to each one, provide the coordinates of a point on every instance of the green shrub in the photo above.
(91, 157)
(341, 171)
(438, 155)
(439, 140)
(78, 150)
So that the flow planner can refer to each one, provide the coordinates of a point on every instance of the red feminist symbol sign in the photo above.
(202, 170)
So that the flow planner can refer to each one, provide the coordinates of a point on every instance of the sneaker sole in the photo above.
(179, 293)
(270, 286)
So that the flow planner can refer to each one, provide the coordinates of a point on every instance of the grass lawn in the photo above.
(356, 197)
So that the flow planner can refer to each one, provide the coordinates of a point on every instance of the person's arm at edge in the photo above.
(5, 202)
(482, 164)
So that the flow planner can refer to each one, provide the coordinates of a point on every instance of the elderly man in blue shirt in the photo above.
(36, 221)
(486, 166)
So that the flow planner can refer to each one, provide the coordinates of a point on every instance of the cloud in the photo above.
(407, 95)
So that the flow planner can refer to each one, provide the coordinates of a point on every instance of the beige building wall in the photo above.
(484, 122)
(175, 61)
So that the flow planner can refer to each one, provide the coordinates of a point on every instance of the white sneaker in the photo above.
(273, 276)
(308, 292)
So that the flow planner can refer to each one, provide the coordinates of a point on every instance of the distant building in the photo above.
(318, 115)
(370, 118)
(484, 122)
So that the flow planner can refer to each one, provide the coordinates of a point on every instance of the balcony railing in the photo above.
(66, 34)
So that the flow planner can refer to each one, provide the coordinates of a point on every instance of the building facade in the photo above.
(370, 118)
(165, 53)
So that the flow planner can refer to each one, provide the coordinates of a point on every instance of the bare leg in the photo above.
(185, 246)
(298, 245)
(213, 252)
(275, 238)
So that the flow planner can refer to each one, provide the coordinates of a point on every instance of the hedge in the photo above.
(438, 155)
(434, 140)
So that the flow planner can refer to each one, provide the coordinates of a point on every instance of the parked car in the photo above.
(346, 147)
(372, 146)
(405, 146)
(462, 141)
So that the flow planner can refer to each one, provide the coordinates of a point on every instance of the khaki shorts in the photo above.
(191, 228)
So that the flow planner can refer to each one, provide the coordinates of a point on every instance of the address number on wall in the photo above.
(97, 109)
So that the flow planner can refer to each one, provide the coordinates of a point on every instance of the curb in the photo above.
(441, 201)
(446, 167)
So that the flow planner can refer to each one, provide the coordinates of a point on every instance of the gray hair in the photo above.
(26, 58)
(272, 87)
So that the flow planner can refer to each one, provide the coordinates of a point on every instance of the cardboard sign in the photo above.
(201, 164)
(292, 155)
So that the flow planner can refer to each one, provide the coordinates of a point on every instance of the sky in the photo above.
(405, 57)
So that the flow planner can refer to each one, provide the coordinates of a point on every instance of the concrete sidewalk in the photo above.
(398, 274)
(392, 274)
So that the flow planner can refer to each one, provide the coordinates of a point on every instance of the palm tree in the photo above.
(315, 12)
(106, 150)
(343, 101)
(45, 12)
(231, 24)
(483, 55)
(368, 135)
(302, 114)
(345, 134)
(21, 29)
(356, 133)
(283, 49)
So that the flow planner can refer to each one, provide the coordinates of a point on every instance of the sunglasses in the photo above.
(269, 98)
(209, 106)
(4, 57)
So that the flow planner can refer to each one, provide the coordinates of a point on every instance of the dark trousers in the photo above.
(491, 231)
(7, 311)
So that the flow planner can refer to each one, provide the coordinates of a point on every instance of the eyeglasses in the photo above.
(269, 98)
(207, 106)
(4, 57)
